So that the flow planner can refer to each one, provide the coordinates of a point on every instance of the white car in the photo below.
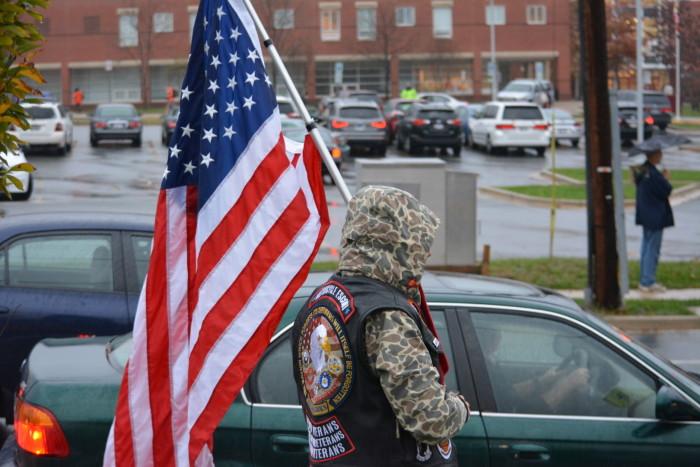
(527, 90)
(26, 178)
(286, 107)
(50, 127)
(440, 98)
(503, 125)
(563, 125)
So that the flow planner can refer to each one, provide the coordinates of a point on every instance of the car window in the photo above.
(656, 99)
(541, 366)
(274, 377)
(518, 87)
(116, 111)
(444, 114)
(490, 111)
(359, 112)
(522, 113)
(62, 111)
(285, 107)
(41, 113)
(79, 262)
(141, 246)
(2, 267)
(404, 106)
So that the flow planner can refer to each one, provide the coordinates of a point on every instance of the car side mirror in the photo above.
(672, 406)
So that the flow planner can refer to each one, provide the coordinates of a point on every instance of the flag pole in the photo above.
(311, 126)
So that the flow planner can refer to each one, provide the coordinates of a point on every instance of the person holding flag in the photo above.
(239, 219)
(368, 364)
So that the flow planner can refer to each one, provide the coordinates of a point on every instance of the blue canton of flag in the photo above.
(225, 98)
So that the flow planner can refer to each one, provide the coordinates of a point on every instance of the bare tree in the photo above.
(142, 50)
(622, 45)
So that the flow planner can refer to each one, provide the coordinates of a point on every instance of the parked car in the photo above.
(503, 125)
(394, 110)
(168, 123)
(527, 90)
(465, 113)
(359, 123)
(656, 104)
(286, 107)
(440, 98)
(115, 121)
(50, 127)
(564, 126)
(66, 275)
(627, 119)
(430, 126)
(26, 178)
(635, 408)
(338, 149)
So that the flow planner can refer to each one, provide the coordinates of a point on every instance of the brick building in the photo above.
(131, 50)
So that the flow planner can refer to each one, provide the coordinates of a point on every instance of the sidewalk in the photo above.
(671, 294)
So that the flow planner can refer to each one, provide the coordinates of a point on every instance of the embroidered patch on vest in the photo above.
(328, 440)
(325, 361)
(423, 452)
(445, 448)
(340, 295)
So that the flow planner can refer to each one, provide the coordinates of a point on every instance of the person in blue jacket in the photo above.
(654, 214)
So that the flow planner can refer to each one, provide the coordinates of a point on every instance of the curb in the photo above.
(653, 323)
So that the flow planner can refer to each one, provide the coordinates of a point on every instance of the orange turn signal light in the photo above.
(38, 432)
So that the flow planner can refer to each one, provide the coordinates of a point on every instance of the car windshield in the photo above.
(404, 106)
(41, 113)
(119, 349)
(518, 87)
(116, 111)
(285, 107)
(359, 112)
(431, 113)
(561, 115)
(365, 97)
(656, 99)
(522, 113)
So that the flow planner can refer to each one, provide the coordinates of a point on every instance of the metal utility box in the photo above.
(450, 193)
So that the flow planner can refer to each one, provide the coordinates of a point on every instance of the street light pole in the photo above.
(492, 33)
(640, 83)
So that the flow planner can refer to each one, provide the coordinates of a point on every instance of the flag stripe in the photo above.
(267, 252)
(232, 224)
(122, 429)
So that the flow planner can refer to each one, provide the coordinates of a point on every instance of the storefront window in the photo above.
(440, 75)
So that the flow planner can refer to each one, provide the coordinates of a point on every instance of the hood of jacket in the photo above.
(387, 236)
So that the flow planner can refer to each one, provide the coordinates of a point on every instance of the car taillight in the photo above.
(338, 124)
(577, 124)
(380, 124)
(336, 153)
(100, 124)
(505, 126)
(649, 120)
(37, 431)
(59, 127)
(419, 122)
(455, 122)
(134, 124)
(171, 125)
(540, 127)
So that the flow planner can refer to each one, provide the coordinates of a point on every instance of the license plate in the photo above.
(439, 126)
(35, 127)
(117, 125)
(360, 127)
(523, 127)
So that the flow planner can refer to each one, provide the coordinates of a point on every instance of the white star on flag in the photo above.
(206, 48)
(231, 107)
(213, 86)
(218, 38)
(209, 134)
(234, 58)
(253, 55)
(206, 22)
(231, 83)
(267, 80)
(249, 102)
(211, 110)
(186, 130)
(206, 159)
(251, 78)
(220, 12)
(175, 151)
(228, 132)
(185, 93)
(189, 167)
(215, 62)
(165, 174)
(235, 34)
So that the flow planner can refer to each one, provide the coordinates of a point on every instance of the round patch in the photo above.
(325, 361)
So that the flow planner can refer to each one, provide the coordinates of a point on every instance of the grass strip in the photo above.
(650, 307)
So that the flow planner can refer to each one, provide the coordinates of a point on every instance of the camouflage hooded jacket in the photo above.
(387, 236)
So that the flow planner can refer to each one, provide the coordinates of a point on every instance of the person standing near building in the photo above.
(653, 213)
(170, 94)
(77, 98)
(367, 360)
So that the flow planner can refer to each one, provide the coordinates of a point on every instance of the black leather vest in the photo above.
(350, 421)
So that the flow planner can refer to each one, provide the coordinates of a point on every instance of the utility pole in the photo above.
(603, 280)
(640, 61)
(492, 37)
(676, 21)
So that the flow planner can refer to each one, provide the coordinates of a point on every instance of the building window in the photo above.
(366, 23)
(192, 16)
(536, 14)
(163, 22)
(450, 75)
(496, 15)
(91, 24)
(128, 28)
(284, 19)
(442, 22)
(330, 23)
(405, 16)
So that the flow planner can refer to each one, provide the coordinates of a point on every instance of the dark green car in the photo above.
(549, 384)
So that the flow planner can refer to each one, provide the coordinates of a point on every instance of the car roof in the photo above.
(355, 103)
(18, 224)
(51, 104)
(433, 106)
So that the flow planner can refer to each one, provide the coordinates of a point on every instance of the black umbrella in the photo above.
(658, 142)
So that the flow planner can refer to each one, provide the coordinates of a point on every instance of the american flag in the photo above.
(240, 216)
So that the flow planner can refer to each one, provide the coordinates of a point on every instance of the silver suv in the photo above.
(360, 123)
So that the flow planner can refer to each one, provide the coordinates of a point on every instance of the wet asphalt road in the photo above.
(681, 347)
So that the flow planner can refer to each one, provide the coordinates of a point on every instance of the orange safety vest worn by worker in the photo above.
(78, 97)
(170, 94)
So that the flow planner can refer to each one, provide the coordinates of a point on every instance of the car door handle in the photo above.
(530, 452)
(4, 310)
(290, 444)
